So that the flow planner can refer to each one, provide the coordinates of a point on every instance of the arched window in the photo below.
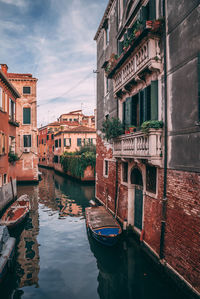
(136, 177)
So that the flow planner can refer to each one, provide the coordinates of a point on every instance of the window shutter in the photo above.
(154, 100)
(128, 111)
(143, 15)
(152, 9)
(141, 106)
(134, 111)
(120, 47)
(26, 115)
(64, 141)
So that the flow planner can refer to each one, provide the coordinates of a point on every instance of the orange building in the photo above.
(26, 140)
(70, 123)
(8, 99)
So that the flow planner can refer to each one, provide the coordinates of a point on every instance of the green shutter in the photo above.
(152, 9)
(128, 111)
(154, 100)
(120, 47)
(143, 15)
(26, 115)
(64, 141)
(134, 111)
(141, 106)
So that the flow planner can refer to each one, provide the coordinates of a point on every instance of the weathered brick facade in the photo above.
(156, 190)
(183, 225)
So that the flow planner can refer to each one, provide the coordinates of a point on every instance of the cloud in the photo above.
(56, 46)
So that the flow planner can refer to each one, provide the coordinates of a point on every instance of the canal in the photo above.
(56, 258)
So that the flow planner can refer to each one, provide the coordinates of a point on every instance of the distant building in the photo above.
(78, 116)
(68, 134)
(148, 69)
(8, 124)
(26, 141)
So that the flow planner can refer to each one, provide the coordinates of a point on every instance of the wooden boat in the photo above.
(103, 226)
(17, 212)
(7, 247)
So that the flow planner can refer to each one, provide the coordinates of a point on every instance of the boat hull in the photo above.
(102, 225)
(6, 254)
(16, 213)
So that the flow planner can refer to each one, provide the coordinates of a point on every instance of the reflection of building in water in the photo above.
(28, 250)
(69, 207)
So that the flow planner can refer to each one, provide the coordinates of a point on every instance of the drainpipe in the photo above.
(116, 190)
(164, 200)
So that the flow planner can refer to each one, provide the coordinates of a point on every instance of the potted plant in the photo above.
(112, 128)
(132, 128)
(12, 157)
(151, 124)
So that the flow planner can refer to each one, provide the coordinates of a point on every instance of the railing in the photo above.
(147, 56)
(140, 145)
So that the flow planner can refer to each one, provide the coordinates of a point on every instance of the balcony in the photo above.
(141, 146)
(146, 58)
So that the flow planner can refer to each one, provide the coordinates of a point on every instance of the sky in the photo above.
(54, 41)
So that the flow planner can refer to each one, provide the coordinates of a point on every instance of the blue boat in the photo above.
(102, 225)
(7, 250)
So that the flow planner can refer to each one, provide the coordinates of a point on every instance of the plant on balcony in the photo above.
(12, 157)
(112, 128)
(111, 63)
(151, 124)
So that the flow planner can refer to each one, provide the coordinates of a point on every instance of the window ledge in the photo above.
(14, 123)
(1, 110)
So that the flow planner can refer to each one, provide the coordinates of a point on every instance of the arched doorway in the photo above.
(136, 179)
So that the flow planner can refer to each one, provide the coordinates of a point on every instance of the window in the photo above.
(11, 109)
(67, 142)
(5, 178)
(106, 28)
(26, 116)
(26, 90)
(12, 144)
(151, 178)
(59, 142)
(52, 136)
(1, 98)
(56, 143)
(106, 168)
(47, 137)
(56, 159)
(142, 106)
(3, 143)
(53, 148)
(42, 141)
(78, 141)
(125, 172)
(27, 140)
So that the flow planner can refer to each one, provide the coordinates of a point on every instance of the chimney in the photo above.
(4, 68)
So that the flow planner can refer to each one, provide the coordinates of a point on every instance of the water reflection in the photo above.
(28, 247)
(56, 258)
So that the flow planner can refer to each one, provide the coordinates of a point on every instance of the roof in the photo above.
(20, 76)
(104, 18)
(5, 79)
(79, 129)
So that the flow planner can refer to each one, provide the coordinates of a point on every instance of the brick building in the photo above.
(66, 128)
(8, 98)
(26, 140)
(151, 181)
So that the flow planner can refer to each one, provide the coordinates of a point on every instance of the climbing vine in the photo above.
(76, 163)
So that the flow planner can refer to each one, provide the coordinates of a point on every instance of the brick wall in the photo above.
(182, 239)
(105, 186)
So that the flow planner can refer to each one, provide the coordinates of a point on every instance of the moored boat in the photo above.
(17, 212)
(103, 226)
(7, 247)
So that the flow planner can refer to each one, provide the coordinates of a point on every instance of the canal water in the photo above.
(56, 258)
